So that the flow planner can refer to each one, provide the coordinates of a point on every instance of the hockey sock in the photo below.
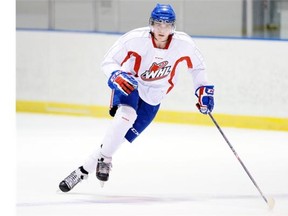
(114, 137)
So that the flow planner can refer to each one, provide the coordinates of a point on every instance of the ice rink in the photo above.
(169, 170)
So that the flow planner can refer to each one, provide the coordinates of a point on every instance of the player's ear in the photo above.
(173, 28)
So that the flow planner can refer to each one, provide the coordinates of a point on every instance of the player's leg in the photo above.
(114, 137)
(127, 124)
(124, 111)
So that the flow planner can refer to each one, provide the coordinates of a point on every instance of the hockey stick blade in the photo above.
(270, 203)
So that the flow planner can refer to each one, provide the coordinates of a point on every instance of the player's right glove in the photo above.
(122, 81)
(205, 96)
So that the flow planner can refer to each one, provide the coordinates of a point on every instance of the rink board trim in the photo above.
(181, 117)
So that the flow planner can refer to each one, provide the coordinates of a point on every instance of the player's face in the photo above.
(162, 30)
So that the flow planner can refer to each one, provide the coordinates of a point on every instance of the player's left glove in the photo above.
(122, 81)
(205, 96)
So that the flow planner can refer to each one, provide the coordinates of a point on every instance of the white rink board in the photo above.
(250, 76)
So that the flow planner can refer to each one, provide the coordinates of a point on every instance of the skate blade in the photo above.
(102, 184)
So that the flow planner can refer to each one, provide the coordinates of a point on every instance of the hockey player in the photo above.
(142, 68)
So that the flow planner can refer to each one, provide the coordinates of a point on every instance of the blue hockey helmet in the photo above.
(163, 13)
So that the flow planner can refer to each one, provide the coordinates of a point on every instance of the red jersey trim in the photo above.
(189, 65)
(138, 60)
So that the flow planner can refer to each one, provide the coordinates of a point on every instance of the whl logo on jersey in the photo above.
(156, 71)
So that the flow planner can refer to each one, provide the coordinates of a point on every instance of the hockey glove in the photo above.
(122, 81)
(205, 96)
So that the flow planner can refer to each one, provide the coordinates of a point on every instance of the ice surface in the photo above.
(169, 170)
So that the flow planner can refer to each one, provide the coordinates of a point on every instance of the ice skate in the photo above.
(73, 179)
(103, 168)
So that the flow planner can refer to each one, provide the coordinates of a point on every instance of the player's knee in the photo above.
(127, 113)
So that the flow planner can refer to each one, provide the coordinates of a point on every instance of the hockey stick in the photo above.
(269, 201)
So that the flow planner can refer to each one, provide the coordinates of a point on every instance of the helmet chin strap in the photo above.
(173, 29)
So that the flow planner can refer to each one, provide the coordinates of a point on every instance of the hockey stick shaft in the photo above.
(237, 156)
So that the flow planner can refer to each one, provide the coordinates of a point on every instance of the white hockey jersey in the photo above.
(156, 70)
